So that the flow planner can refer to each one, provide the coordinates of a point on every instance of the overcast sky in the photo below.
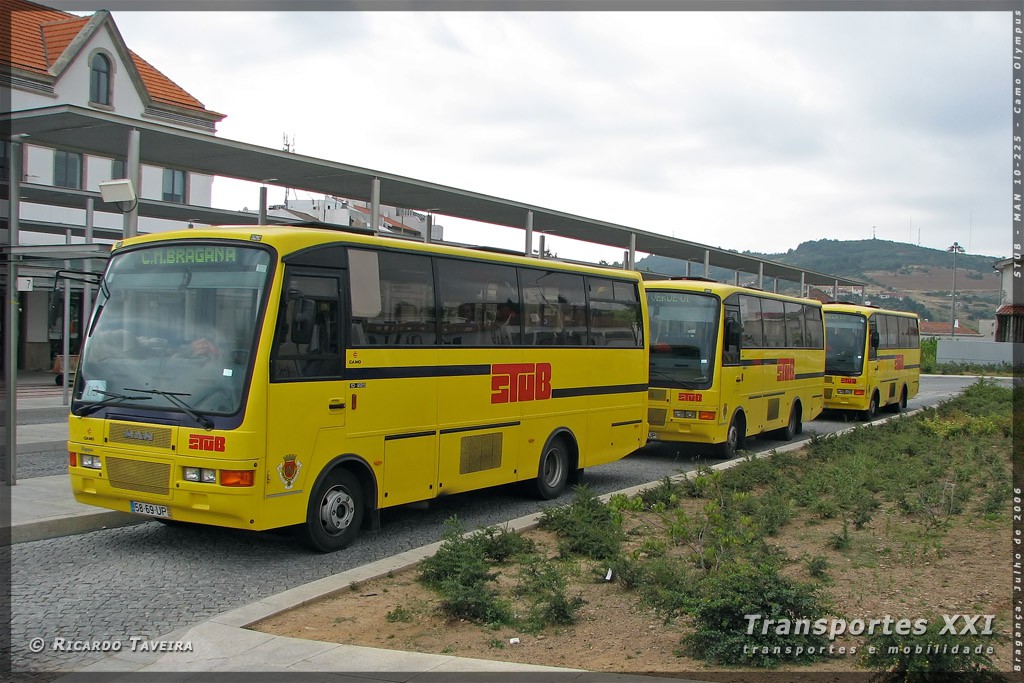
(744, 130)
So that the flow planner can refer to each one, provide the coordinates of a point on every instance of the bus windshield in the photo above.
(684, 329)
(173, 329)
(844, 351)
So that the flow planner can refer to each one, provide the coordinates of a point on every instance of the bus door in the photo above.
(732, 374)
(871, 364)
(306, 407)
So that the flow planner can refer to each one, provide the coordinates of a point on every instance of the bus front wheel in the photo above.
(869, 414)
(734, 438)
(553, 471)
(335, 512)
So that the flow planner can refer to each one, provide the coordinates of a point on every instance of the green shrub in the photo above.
(544, 586)
(929, 657)
(586, 526)
(721, 624)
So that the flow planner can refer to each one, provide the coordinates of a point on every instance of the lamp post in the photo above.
(955, 249)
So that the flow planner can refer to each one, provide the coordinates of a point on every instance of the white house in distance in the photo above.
(1010, 314)
(50, 57)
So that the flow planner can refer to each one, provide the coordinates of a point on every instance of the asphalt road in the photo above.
(150, 579)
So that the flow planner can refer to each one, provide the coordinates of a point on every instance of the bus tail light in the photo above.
(858, 392)
(72, 459)
(236, 477)
(706, 415)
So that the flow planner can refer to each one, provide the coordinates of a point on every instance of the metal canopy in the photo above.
(78, 128)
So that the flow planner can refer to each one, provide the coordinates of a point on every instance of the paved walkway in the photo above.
(44, 507)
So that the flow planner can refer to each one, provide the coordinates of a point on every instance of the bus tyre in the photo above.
(869, 414)
(900, 405)
(553, 472)
(793, 427)
(733, 438)
(335, 512)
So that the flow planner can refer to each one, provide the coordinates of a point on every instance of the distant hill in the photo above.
(910, 277)
(857, 258)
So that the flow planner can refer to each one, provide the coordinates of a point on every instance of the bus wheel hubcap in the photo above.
(552, 468)
(337, 510)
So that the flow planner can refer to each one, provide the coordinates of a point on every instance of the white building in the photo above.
(54, 57)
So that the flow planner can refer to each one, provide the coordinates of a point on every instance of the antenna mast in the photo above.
(288, 146)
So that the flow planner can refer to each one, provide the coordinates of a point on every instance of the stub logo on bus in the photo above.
(899, 361)
(690, 396)
(514, 382)
(205, 442)
(786, 369)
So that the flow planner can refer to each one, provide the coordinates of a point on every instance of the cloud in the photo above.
(763, 129)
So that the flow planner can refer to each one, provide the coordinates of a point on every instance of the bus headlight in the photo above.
(200, 474)
(91, 461)
(685, 414)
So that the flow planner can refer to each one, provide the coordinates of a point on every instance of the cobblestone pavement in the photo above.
(150, 579)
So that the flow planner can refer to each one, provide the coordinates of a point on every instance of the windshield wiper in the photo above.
(692, 383)
(111, 399)
(172, 396)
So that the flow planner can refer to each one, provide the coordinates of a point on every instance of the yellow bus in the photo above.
(730, 362)
(873, 359)
(263, 377)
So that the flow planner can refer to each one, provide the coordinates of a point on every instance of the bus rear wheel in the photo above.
(553, 471)
(793, 427)
(335, 512)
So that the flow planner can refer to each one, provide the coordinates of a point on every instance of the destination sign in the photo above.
(189, 254)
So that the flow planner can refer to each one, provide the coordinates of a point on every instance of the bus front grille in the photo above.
(657, 394)
(656, 416)
(139, 475)
(480, 452)
(140, 435)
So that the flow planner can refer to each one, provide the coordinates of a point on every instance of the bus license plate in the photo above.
(151, 510)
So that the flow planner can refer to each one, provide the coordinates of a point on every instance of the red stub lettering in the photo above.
(514, 382)
(848, 380)
(899, 361)
(687, 396)
(786, 369)
(204, 442)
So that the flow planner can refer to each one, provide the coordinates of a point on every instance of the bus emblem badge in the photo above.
(288, 470)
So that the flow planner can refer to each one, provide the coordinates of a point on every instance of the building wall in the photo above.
(978, 352)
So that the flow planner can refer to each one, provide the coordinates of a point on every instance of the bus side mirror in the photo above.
(874, 339)
(303, 313)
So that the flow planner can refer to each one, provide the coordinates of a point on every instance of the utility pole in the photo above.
(955, 249)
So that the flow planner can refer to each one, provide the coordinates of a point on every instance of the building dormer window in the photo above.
(99, 79)
(174, 186)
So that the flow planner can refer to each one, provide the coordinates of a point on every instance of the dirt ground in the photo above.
(888, 570)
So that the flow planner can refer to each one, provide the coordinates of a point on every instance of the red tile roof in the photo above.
(1011, 309)
(39, 35)
(941, 328)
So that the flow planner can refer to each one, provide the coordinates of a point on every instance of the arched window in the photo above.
(99, 80)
